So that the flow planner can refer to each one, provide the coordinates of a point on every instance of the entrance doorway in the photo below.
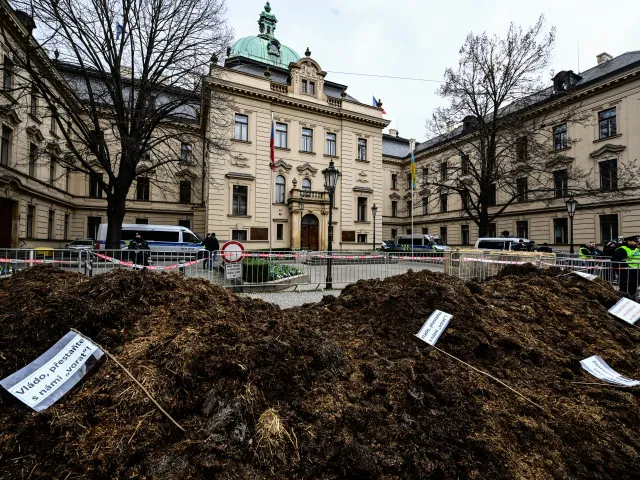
(309, 238)
(6, 222)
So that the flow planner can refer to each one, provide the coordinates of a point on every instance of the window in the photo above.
(52, 169)
(281, 135)
(560, 136)
(142, 188)
(50, 224)
(142, 221)
(522, 153)
(491, 195)
(331, 144)
(464, 234)
(280, 184)
(443, 171)
(95, 185)
(465, 164)
(443, 202)
(408, 231)
(425, 205)
(443, 234)
(394, 232)
(307, 140)
(185, 224)
(425, 176)
(522, 185)
(425, 230)
(560, 183)
(186, 154)
(609, 175)
(239, 235)
(279, 231)
(185, 191)
(522, 229)
(607, 122)
(306, 187)
(491, 230)
(560, 230)
(66, 226)
(92, 226)
(308, 87)
(394, 181)
(54, 123)
(394, 208)
(33, 101)
(33, 157)
(362, 238)
(409, 207)
(31, 213)
(608, 228)
(5, 145)
(312, 88)
(242, 126)
(362, 209)
(240, 202)
(304, 87)
(362, 149)
(465, 197)
(67, 179)
(409, 182)
(7, 74)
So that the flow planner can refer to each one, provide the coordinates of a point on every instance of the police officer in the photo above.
(628, 252)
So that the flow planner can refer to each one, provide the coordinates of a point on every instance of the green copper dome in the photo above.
(265, 47)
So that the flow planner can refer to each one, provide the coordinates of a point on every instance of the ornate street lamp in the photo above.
(374, 210)
(331, 175)
(571, 203)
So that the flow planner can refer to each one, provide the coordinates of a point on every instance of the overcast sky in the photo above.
(420, 38)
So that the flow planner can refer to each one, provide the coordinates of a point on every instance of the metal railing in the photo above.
(279, 270)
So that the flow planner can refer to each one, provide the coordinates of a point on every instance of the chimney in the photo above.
(603, 57)
(393, 132)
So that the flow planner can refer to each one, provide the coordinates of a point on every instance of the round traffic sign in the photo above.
(232, 251)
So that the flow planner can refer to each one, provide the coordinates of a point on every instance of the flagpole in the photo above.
(413, 184)
(270, 187)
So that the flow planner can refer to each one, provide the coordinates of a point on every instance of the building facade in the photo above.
(605, 144)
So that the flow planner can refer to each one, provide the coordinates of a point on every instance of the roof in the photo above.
(264, 50)
(394, 146)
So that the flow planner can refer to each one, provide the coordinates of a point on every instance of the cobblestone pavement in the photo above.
(293, 299)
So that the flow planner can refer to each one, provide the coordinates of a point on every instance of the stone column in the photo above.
(295, 228)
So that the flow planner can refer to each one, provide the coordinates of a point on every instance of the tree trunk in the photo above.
(115, 216)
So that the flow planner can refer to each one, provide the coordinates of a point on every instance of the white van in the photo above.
(161, 238)
(421, 242)
(499, 243)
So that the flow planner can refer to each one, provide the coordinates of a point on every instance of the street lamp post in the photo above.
(571, 209)
(374, 210)
(331, 174)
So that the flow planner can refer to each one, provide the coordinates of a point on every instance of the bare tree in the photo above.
(506, 147)
(124, 88)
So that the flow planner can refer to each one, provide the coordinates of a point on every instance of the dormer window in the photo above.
(308, 87)
(312, 88)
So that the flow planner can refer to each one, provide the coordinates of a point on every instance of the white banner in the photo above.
(434, 326)
(45, 380)
(597, 367)
(626, 310)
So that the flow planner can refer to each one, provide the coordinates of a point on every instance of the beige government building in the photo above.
(316, 122)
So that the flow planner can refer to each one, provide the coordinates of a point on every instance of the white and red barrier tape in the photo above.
(148, 267)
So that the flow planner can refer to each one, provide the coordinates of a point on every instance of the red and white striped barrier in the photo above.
(115, 261)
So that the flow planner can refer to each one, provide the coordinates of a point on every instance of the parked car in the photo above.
(420, 242)
(499, 243)
(81, 244)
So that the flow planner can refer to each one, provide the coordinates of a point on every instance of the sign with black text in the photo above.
(434, 326)
(626, 310)
(233, 271)
(597, 367)
(45, 380)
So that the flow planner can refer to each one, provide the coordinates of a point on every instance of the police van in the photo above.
(420, 242)
(161, 238)
(499, 243)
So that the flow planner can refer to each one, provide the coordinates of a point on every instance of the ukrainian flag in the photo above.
(414, 176)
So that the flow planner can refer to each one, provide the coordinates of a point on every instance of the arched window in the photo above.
(280, 183)
(306, 187)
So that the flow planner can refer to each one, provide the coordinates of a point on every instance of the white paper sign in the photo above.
(588, 276)
(597, 367)
(233, 270)
(434, 326)
(626, 310)
(54, 373)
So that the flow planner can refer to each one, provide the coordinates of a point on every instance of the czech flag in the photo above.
(375, 104)
(272, 152)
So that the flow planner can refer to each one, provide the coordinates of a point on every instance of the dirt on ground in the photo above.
(338, 389)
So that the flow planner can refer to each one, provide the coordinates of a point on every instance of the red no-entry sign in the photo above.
(232, 251)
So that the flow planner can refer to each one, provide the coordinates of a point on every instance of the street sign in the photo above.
(233, 271)
(232, 251)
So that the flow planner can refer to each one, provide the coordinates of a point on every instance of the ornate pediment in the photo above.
(306, 167)
(282, 166)
(522, 168)
(607, 149)
(186, 173)
(363, 189)
(9, 114)
(53, 147)
(425, 192)
(240, 176)
(362, 177)
(35, 133)
(407, 196)
(394, 196)
(559, 160)
(240, 161)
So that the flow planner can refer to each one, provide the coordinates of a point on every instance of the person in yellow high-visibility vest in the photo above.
(628, 253)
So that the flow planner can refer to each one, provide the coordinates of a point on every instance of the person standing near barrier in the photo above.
(628, 253)
(141, 248)
(589, 251)
(212, 246)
